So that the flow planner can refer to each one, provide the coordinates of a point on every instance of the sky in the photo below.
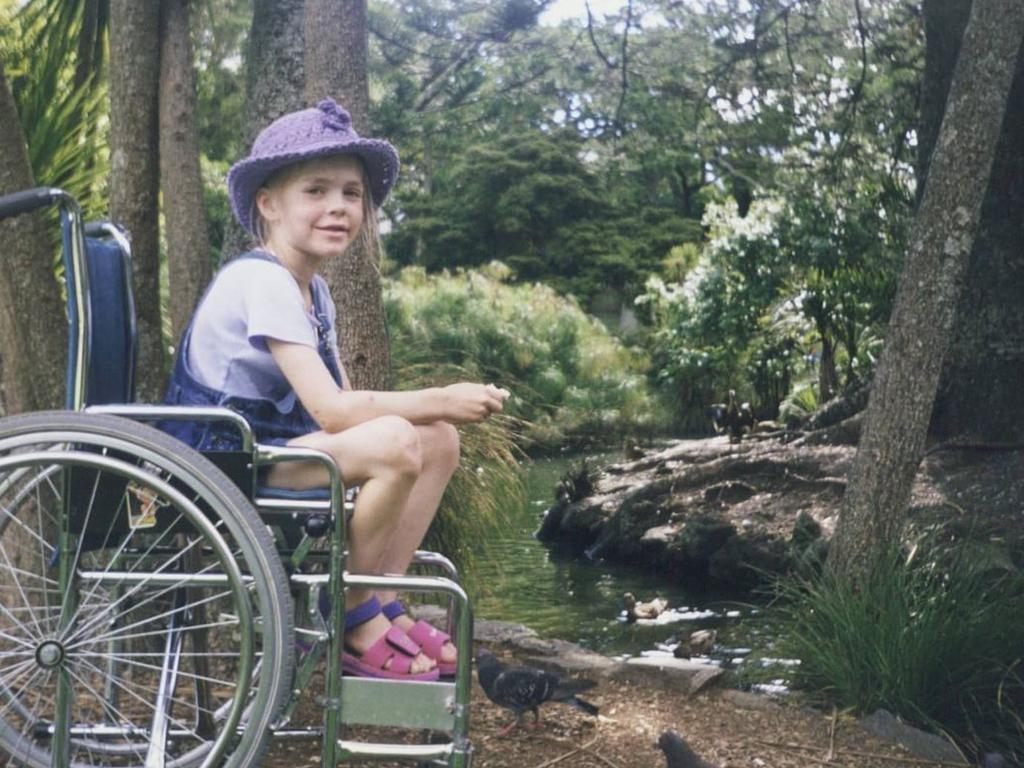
(577, 9)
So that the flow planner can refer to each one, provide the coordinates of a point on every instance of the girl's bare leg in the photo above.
(384, 457)
(439, 444)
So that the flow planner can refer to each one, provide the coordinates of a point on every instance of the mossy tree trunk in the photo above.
(978, 395)
(336, 66)
(33, 340)
(135, 178)
(188, 249)
(275, 79)
(922, 322)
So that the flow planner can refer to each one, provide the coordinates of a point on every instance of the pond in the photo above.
(561, 594)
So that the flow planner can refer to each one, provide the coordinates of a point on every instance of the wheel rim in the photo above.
(130, 595)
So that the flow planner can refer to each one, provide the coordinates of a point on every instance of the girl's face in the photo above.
(315, 209)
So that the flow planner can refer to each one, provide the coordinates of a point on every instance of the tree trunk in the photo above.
(33, 335)
(134, 73)
(275, 79)
(907, 378)
(188, 248)
(336, 65)
(978, 390)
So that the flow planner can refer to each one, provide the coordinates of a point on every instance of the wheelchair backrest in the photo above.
(113, 332)
(101, 310)
(110, 331)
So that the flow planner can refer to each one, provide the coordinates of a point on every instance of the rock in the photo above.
(566, 658)
(748, 700)
(667, 672)
(484, 630)
(699, 538)
(731, 492)
(746, 561)
(927, 746)
(660, 534)
(551, 522)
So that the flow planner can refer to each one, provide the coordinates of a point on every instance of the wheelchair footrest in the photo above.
(369, 750)
(366, 701)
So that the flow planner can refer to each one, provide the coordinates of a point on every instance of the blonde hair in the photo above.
(368, 236)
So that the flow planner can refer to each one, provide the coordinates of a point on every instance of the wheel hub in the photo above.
(49, 654)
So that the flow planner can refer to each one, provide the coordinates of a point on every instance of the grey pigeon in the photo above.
(678, 753)
(523, 688)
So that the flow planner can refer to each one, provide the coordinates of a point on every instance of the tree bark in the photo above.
(978, 391)
(33, 335)
(134, 73)
(188, 248)
(275, 79)
(907, 378)
(336, 66)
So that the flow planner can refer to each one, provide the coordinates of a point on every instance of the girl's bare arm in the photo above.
(336, 410)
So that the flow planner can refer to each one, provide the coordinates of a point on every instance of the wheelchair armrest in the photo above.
(180, 413)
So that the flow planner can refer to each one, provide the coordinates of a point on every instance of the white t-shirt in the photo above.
(250, 301)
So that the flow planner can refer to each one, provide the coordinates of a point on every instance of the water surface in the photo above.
(561, 594)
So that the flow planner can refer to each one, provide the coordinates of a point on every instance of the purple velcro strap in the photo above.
(362, 613)
(392, 609)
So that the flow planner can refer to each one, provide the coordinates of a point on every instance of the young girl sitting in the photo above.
(262, 342)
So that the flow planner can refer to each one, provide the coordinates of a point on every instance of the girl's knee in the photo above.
(441, 445)
(402, 448)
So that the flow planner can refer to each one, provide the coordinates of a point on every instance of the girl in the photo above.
(262, 342)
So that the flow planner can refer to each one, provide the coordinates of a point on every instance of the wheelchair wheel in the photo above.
(145, 617)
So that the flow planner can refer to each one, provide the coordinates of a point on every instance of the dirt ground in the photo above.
(727, 728)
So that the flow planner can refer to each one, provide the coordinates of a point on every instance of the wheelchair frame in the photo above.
(96, 443)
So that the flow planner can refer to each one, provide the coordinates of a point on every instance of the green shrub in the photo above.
(935, 640)
(571, 380)
(799, 404)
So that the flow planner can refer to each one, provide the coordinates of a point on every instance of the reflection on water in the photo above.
(562, 595)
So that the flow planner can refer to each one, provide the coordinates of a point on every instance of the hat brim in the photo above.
(246, 176)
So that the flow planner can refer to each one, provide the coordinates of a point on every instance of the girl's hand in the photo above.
(467, 402)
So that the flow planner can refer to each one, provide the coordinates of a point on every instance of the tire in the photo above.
(165, 559)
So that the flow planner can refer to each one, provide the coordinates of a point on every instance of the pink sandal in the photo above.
(395, 646)
(429, 638)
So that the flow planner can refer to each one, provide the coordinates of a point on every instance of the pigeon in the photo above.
(678, 753)
(521, 688)
(648, 610)
(698, 643)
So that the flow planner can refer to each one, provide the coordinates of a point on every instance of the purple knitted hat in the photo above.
(316, 132)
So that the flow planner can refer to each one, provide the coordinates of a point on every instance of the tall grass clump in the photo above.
(485, 490)
(930, 638)
(571, 380)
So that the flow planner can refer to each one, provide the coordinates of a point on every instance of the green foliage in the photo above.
(60, 95)
(799, 405)
(570, 379)
(771, 286)
(933, 639)
(530, 201)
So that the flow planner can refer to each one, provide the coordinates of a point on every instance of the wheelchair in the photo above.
(161, 608)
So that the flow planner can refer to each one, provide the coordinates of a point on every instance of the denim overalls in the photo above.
(269, 425)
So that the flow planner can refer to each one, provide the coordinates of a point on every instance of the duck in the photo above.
(637, 610)
(697, 644)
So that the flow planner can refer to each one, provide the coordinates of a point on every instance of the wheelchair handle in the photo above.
(28, 200)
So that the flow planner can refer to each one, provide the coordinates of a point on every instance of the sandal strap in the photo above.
(362, 613)
(430, 639)
(393, 609)
(394, 645)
